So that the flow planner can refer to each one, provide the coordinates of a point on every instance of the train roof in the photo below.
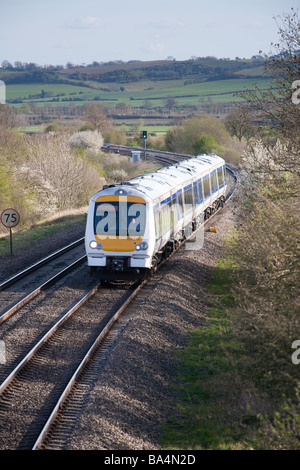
(155, 185)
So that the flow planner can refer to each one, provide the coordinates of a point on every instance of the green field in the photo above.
(219, 91)
(156, 91)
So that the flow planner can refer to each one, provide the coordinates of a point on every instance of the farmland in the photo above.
(194, 94)
(151, 90)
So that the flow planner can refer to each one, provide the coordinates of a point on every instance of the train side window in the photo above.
(157, 215)
(206, 186)
(220, 177)
(188, 198)
(196, 196)
(213, 184)
(174, 212)
(180, 204)
(200, 190)
(165, 217)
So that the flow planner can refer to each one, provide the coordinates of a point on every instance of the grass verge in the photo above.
(25, 238)
(214, 399)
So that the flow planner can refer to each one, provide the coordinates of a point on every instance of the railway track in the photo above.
(29, 394)
(20, 289)
(159, 155)
(41, 397)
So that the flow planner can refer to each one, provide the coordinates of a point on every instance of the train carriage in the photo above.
(132, 225)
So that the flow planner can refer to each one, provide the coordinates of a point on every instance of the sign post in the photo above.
(10, 218)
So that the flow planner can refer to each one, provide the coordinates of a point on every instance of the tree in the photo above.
(88, 140)
(205, 144)
(275, 107)
(183, 137)
(239, 122)
(6, 65)
(96, 116)
(170, 102)
(61, 179)
(8, 119)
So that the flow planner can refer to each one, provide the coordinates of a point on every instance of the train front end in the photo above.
(118, 234)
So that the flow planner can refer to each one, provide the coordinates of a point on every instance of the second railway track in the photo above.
(18, 290)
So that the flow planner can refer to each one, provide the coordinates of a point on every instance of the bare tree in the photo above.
(8, 119)
(276, 107)
(239, 122)
(97, 118)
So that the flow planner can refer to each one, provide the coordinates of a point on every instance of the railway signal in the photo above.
(144, 137)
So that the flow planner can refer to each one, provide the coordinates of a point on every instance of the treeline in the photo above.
(169, 70)
(262, 257)
(196, 69)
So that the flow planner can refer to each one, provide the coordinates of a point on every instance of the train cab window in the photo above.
(114, 218)
(206, 186)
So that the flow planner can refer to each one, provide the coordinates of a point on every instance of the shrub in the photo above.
(88, 140)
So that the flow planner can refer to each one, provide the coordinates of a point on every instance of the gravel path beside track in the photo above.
(134, 392)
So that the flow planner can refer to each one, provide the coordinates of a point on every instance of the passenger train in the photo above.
(131, 226)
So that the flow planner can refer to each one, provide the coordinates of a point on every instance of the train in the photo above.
(133, 225)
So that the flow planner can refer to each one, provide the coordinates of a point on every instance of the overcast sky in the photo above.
(83, 31)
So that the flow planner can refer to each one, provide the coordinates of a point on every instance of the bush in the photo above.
(266, 280)
(202, 134)
(59, 179)
(205, 144)
(87, 140)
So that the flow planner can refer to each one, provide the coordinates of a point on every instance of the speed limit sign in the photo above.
(10, 218)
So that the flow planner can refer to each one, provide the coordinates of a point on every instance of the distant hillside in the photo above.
(155, 90)
(199, 69)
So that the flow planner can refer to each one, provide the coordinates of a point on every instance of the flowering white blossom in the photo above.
(89, 140)
(61, 178)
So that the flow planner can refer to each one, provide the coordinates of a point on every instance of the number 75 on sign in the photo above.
(10, 218)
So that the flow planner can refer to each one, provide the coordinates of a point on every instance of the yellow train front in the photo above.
(118, 234)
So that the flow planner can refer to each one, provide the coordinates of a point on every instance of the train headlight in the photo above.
(142, 246)
(94, 245)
